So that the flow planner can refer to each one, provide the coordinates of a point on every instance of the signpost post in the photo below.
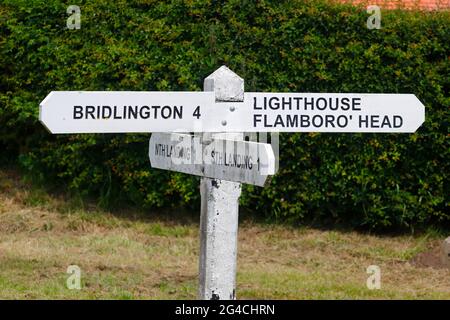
(219, 213)
(222, 112)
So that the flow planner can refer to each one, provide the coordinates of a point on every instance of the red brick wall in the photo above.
(404, 4)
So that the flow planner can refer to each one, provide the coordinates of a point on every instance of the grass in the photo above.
(140, 255)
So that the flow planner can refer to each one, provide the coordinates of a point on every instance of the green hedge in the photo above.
(365, 180)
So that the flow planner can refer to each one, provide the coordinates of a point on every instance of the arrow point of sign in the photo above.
(421, 113)
(153, 138)
(41, 111)
(270, 168)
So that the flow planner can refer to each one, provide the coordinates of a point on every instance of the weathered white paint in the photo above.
(220, 208)
(445, 252)
(238, 161)
(257, 161)
(242, 112)
(182, 152)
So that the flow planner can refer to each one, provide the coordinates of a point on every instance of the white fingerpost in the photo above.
(219, 204)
